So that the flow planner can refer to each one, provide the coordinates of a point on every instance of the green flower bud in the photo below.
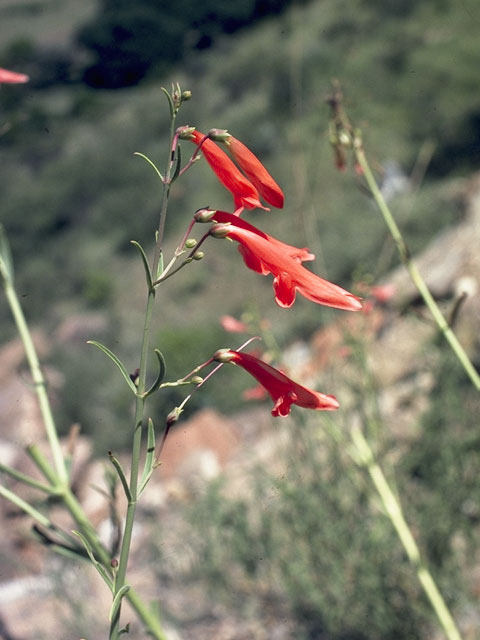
(204, 215)
(219, 135)
(220, 230)
(173, 416)
(223, 355)
(185, 133)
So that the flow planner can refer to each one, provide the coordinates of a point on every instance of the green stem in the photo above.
(412, 268)
(140, 400)
(39, 382)
(394, 512)
(145, 615)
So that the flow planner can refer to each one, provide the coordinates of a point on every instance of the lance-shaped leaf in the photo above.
(150, 463)
(121, 475)
(117, 601)
(146, 266)
(101, 570)
(117, 362)
(162, 367)
(150, 162)
(170, 101)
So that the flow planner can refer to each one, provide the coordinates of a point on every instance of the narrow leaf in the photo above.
(101, 570)
(170, 102)
(6, 263)
(121, 475)
(116, 361)
(25, 506)
(146, 266)
(117, 601)
(150, 162)
(162, 367)
(150, 457)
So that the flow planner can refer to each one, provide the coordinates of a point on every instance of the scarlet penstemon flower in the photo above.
(283, 391)
(12, 77)
(243, 191)
(256, 172)
(264, 254)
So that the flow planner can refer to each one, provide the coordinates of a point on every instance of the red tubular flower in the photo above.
(301, 255)
(256, 172)
(11, 77)
(243, 191)
(264, 254)
(283, 391)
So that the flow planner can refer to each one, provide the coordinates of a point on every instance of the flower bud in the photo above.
(196, 379)
(186, 95)
(220, 230)
(204, 215)
(173, 416)
(185, 132)
(190, 243)
(219, 135)
(223, 355)
(198, 255)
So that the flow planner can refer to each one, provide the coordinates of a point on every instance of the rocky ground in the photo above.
(42, 595)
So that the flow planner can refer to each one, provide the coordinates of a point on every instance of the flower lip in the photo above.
(267, 255)
(283, 391)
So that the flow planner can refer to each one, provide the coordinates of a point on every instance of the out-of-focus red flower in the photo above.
(283, 391)
(383, 292)
(11, 77)
(243, 191)
(256, 172)
(265, 255)
(231, 324)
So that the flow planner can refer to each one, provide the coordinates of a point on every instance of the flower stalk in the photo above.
(412, 268)
(365, 457)
(156, 271)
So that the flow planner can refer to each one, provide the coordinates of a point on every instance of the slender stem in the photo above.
(140, 400)
(35, 453)
(395, 513)
(39, 382)
(418, 280)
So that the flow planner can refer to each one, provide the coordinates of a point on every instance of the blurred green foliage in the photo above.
(129, 39)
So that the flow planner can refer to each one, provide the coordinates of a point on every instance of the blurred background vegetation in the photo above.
(73, 196)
